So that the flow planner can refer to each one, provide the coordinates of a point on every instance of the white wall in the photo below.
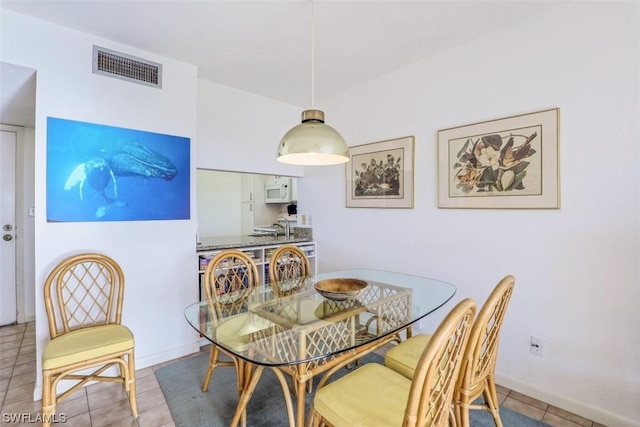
(66, 88)
(218, 200)
(240, 131)
(577, 267)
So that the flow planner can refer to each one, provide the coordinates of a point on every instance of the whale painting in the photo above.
(105, 173)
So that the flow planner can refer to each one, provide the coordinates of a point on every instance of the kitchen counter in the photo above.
(231, 242)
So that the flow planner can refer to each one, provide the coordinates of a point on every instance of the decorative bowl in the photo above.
(340, 289)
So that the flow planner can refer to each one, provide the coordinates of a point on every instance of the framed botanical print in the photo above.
(508, 163)
(380, 174)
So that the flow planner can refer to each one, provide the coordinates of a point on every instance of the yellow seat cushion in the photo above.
(404, 357)
(86, 344)
(371, 395)
(234, 332)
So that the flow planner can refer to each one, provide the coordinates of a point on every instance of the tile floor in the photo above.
(106, 404)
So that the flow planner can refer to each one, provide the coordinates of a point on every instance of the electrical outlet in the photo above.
(537, 346)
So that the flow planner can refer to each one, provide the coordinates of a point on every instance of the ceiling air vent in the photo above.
(126, 67)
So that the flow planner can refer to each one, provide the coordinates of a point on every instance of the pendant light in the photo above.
(313, 142)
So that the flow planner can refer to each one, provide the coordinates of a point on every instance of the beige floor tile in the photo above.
(31, 341)
(570, 416)
(9, 353)
(24, 368)
(150, 399)
(4, 383)
(171, 424)
(144, 372)
(81, 420)
(528, 400)
(156, 416)
(28, 349)
(25, 358)
(100, 386)
(501, 389)
(6, 372)
(11, 337)
(9, 361)
(80, 393)
(9, 344)
(556, 421)
(73, 407)
(522, 408)
(21, 420)
(107, 397)
(110, 414)
(19, 394)
(147, 383)
(12, 329)
(126, 422)
(23, 406)
(26, 378)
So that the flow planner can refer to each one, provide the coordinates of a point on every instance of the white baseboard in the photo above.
(592, 413)
(165, 356)
(141, 363)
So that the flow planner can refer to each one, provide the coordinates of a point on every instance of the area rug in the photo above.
(181, 384)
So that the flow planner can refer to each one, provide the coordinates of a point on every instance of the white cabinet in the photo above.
(261, 255)
(248, 205)
(248, 188)
(247, 217)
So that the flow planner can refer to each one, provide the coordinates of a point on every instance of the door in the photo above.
(8, 303)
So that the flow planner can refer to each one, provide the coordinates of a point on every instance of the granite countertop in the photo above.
(229, 242)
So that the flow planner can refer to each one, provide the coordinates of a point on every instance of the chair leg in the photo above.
(462, 413)
(130, 384)
(491, 399)
(213, 361)
(48, 399)
(452, 417)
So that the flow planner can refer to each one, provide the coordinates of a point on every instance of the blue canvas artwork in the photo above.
(106, 173)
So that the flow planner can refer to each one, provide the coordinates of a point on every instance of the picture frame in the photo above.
(381, 174)
(506, 163)
(99, 173)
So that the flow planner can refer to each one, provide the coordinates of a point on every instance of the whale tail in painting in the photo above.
(97, 174)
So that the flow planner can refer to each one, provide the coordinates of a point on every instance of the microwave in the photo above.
(277, 190)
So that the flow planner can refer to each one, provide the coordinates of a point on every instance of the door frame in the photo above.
(22, 228)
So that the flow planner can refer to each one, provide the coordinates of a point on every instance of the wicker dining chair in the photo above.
(477, 376)
(228, 280)
(286, 263)
(374, 395)
(83, 298)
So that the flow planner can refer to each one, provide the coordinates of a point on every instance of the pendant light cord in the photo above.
(313, 56)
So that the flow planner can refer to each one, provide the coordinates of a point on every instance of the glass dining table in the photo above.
(293, 329)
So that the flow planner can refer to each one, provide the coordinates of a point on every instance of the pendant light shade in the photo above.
(313, 142)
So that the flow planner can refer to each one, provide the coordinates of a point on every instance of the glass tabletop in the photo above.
(290, 322)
